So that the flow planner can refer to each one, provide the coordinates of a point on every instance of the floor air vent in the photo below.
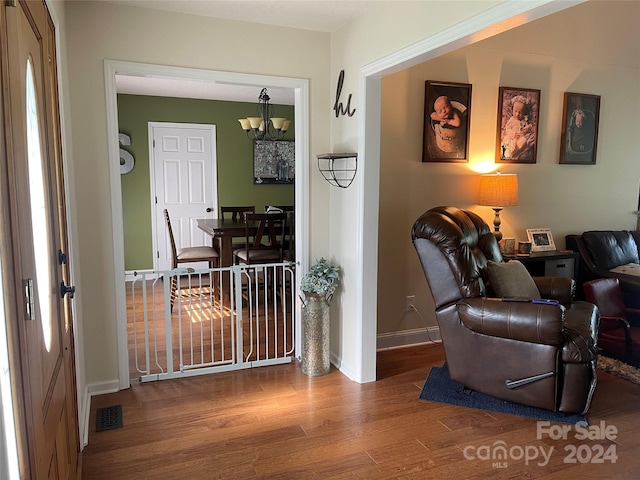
(108, 418)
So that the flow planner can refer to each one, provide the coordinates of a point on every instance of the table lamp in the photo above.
(498, 191)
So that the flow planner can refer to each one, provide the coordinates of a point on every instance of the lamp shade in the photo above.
(498, 190)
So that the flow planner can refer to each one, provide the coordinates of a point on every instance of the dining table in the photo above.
(223, 231)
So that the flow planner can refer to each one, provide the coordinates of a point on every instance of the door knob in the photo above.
(71, 290)
(209, 209)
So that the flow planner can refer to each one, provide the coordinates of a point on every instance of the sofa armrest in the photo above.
(559, 288)
(576, 243)
(523, 321)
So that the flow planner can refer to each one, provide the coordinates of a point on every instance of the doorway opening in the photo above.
(300, 89)
(499, 19)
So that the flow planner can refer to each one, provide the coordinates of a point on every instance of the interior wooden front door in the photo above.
(48, 446)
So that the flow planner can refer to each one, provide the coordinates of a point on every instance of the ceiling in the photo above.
(317, 15)
(179, 88)
(329, 15)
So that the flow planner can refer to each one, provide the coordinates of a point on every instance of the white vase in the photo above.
(315, 335)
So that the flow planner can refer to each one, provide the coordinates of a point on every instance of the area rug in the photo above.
(440, 388)
(619, 369)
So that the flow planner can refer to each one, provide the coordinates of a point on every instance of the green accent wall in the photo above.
(234, 162)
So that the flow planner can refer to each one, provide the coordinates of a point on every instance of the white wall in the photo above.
(97, 31)
(390, 35)
(555, 55)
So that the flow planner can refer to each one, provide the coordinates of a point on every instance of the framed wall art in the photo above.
(447, 113)
(273, 161)
(541, 239)
(517, 132)
(580, 119)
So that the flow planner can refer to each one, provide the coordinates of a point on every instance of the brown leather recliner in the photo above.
(538, 355)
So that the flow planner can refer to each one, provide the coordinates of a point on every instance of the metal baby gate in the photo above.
(185, 322)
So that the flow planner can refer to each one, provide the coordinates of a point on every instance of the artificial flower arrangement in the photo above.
(321, 279)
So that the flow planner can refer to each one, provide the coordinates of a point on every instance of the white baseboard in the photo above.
(101, 388)
(84, 415)
(92, 389)
(406, 338)
(345, 368)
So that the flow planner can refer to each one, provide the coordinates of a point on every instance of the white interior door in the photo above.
(183, 180)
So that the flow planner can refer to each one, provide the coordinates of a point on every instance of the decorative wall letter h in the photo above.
(338, 107)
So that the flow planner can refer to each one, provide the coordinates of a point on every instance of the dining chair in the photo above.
(279, 208)
(187, 255)
(236, 214)
(619, 333)
(288, 243)
(264, 235)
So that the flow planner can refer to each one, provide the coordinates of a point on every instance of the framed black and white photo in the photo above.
(541, 239)
(580, 119)
(447, 113)
(517, 132)
(274, 161)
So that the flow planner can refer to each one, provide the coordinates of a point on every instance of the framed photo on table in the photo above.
(541, 240)
(508, 246)
(447, 113)
(517, 131)
(580, 119)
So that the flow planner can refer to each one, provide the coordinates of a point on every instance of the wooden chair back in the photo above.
(264, 236)
(606, 295)
(236, 213)
(618, 334)
(282, 208)
(288, 243)
(172, 242)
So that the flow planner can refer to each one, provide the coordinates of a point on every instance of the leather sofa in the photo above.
(535, 354)
(603, 250)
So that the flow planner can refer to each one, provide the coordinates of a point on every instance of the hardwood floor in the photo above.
(276, 423)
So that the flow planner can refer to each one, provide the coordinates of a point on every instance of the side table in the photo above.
(556, 263)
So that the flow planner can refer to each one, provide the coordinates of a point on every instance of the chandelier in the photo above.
(265, 127)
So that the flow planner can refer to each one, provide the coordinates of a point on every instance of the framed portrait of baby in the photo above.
(579, 139)
(517, 131)
(447, 108)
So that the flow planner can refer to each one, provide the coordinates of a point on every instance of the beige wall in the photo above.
(385, 29)
(555, 55)
(96, 31)
(163, 38)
